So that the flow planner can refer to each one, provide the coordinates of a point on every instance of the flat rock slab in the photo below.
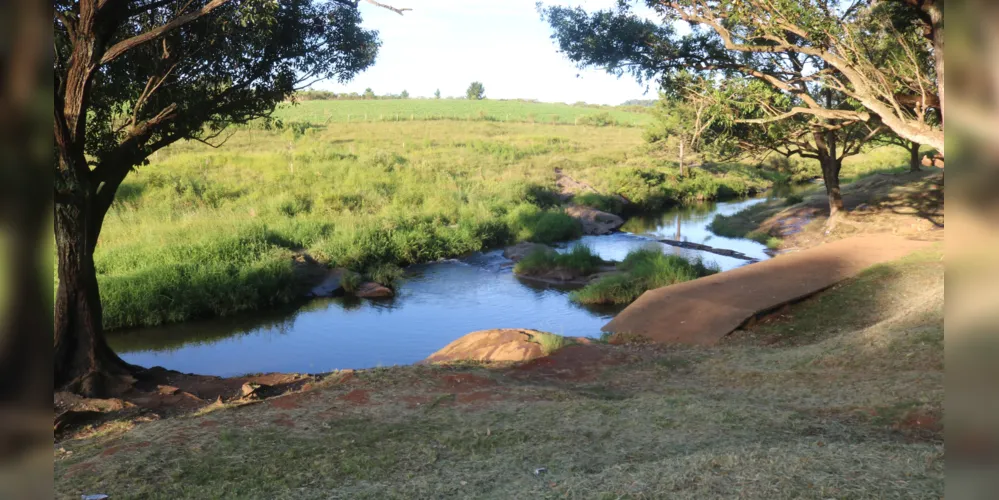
(501, 344)
(703, 311)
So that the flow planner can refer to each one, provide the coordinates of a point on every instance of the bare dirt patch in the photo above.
(465, 382)
(573, 363)
(357, 396)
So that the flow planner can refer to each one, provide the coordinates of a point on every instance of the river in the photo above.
(435, 304)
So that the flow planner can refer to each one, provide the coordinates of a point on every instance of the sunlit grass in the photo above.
(579, 259)
(643, 269)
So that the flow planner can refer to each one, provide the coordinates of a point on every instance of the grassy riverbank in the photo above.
(641, 270)
(204, 232)
(840, 396)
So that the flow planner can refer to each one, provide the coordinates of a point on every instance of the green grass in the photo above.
(656, 186)
(351, 281)
(203, 232)
(602, 202)
(395, 110)
(643, 269)
(743, 224)
(550, 342)
(210, 232)
(579, 259)
(793, 199)
(385, 274)
(530, 223)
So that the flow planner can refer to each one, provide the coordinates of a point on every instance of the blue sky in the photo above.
(504, 44)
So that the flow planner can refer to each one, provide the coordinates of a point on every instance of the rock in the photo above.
(330, 286)
(253, 390)
(501, 344)
(520, 250)
(167, 390)
(372, 290)
(569, 187)
(594, 221)
(933, 161)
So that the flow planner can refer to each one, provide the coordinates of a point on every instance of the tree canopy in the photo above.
(884, 55)
(132, 77)
(475, 91)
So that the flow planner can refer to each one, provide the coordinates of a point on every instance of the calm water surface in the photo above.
(435, 304)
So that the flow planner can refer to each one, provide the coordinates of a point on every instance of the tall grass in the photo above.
(402, 110)
(579, 259)
(643, 269)
(202, 231)
(550, 342)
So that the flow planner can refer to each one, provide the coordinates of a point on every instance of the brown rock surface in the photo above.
(703, 311)
(373, 290)
(501, 344)
(594, 221)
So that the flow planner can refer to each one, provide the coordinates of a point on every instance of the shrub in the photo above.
(643, 186)
(602, 119)
(385, 274)
(643, 269)
(579, 259)
(793, 199)
(351, 281)
(551, 343)
(542, 196)
(599, 201)
(530, 223)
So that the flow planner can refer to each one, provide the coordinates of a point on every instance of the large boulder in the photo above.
(372, 290)
(501, 344)
(594, 221)
(521, 250)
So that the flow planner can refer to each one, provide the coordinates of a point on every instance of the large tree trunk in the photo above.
(681, 157)
(913, 156)
(84, 363)
(830, 175)
(936, 13)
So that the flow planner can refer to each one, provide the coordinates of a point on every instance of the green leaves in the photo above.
(230, 65)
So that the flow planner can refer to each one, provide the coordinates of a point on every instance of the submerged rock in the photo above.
(331, 286)
(372, 290)
(594, 221)
(521, 250)
(563, 276)
(501, 344)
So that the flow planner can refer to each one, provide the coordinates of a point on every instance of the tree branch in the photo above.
(389, 7)
(123, 46)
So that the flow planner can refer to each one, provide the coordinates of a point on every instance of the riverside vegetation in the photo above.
(205, 231)
(841, 396)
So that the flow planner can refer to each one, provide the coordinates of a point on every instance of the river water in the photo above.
(435, 304)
